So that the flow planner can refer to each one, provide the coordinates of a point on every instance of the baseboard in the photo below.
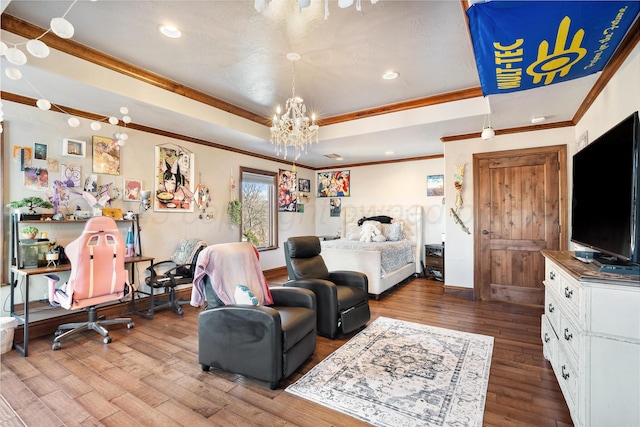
(458, 292)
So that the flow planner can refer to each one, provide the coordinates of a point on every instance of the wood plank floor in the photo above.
(150, 375)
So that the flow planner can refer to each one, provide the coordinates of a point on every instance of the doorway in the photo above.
(520, 209)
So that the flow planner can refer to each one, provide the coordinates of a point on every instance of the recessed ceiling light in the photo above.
(389, 153)
(390, 75)
(539, 119)
(339, 158)
(170, 31)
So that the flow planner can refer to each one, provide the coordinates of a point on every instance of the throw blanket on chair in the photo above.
(228, 265)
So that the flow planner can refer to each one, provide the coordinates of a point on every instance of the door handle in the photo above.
(485, 232)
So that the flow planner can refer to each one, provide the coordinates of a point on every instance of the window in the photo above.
(259, 208)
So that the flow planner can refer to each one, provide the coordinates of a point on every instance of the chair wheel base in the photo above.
(106, 339)
(130, 325)
(55, 346)
(205, 368)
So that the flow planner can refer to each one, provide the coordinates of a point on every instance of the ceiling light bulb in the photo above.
(96, 126)
(62, 28)
(13, 73)
(73, 122)
(43, 104)
(391, 75)
(124, 110)
(488, 133)
(170, 31)
(3, 48)
(38, 49)
(126, 119)
(113, 120)
(124, 136)
(539, 119)
(15, 56)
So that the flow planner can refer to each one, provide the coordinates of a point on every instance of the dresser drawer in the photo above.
(567, 375)
(552, 277)
(552, 309)
(549, 341)
(434, 261)
(570, 294)
(570, 337)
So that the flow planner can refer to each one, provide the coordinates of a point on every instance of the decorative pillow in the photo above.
(370, 232)
(353, 232)
(244, 296)
(393, 232)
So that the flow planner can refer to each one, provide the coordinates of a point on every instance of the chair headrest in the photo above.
(304, 246)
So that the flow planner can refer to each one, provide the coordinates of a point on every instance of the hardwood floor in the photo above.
(150, 375)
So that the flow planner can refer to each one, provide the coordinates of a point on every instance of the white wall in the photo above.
(161, 231)
(391, 184)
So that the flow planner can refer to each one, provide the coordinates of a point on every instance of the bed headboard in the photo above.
(411, 217)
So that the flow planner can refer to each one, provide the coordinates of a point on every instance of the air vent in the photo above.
(333, 156)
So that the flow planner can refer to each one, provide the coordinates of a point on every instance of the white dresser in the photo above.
(591, 336)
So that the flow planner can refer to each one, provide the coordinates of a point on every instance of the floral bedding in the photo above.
(394, 255)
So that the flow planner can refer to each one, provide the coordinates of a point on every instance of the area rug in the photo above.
(396, 373)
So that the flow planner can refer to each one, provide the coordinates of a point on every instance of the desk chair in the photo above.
(97, 276)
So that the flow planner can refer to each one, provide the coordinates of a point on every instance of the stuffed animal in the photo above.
(371, 233)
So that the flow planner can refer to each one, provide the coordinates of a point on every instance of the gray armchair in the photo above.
(342, 297)
(266, 342)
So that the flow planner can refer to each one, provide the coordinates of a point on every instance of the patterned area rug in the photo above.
(397, 373)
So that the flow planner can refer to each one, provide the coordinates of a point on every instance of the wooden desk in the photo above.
(26, 273)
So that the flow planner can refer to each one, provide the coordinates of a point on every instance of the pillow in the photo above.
(393, 232)
(370, 232)
(353, 232)
(244, 296)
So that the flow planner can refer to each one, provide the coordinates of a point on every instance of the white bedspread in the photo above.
(394, 255)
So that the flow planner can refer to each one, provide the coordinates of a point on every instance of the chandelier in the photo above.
(262, 6)
(293, 129)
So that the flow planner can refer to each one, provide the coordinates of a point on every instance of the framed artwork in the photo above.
(287, 191)
(435, 185)
(304, 185)
(583, 141)
(91, 183)
(53, 165)
(106, 155)
(174, 179)
(131, 190)
(335, 207)
(71, 175)
(334, 184)
(26, 156)
(36, 178)
(39, 151)
(300, 208)
(74, 148)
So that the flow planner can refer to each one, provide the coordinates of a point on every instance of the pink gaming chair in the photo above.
(97, 276)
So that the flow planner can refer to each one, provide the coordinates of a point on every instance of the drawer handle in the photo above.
(551, 308)
(565, 375)
(567, 335)
(552, 275)
(567, 292)
(546, 337)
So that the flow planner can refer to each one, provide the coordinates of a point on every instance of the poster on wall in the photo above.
(334, 184)
(287, 191)
(174, 179)
(435, 185)
(334, 207)
(36, 178)
(106, 155)
(131, 191)
(71, 175)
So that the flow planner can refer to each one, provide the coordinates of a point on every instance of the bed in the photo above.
(385, 263)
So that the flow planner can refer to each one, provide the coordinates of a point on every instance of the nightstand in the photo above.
(434, 262)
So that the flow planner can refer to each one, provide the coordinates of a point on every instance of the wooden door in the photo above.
(520, 209)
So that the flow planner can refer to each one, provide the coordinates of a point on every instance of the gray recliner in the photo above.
(265, 342)
(342, 297)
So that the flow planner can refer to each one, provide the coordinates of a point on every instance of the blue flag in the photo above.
(522, 45)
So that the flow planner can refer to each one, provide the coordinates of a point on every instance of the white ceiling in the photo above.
(232, 53)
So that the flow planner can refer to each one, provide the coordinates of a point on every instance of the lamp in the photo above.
(145, 199)
(293, 129)
(487, 131)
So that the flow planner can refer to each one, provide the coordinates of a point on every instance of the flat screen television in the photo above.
(605, 215)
